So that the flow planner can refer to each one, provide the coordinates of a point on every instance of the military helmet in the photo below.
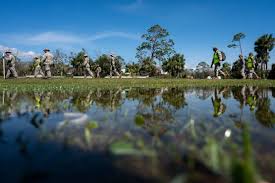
(8, 51)
(112, 55)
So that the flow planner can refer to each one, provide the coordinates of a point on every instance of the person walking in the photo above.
(87, 67)
(250, 66)
(113, 66)
(47, 60)
(242, 63)
(37, 67)
(10, 60)
(217, 59)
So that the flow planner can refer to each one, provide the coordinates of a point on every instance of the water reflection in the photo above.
(155, 123)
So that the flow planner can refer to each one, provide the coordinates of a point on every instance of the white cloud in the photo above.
(60, 38)
(105, 35)
(132, 6)
(52, 37)
(19, 53)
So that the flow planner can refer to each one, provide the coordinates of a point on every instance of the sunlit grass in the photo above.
(84, 84)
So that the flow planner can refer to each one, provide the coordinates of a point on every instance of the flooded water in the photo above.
(134, 134)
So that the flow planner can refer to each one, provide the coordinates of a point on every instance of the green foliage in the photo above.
(76, 60)
(148, 67)
(263, 46)
(226, 68)
(272, 72)
(243, 167)
(238, 37)
(60, 62)
(139, 120)
(236, 69)
(104, 62)
(133, 68)
(174, 65)
(203, 70)
(157, 45)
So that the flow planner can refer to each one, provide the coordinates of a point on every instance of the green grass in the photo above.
(84, 84)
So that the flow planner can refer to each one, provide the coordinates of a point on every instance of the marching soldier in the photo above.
(98, 71)
(37, 67)
(47, 61)
(86, 64)
(10, 60)
(241, 60)
(113, 66)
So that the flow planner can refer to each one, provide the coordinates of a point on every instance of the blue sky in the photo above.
(103, 26)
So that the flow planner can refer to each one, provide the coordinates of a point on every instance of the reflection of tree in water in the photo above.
(203, 93)
(108, 98)
(146, 96)
(264, 114)
(82, 101)
(9, 102)
(174, 97)
(156, 112)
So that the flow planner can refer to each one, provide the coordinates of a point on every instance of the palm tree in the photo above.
(263, 46)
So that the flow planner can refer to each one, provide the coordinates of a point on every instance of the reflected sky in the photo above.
(40, 127)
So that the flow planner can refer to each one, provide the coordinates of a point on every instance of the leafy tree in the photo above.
(76, 60)
(226, 68)
(263, 46)
(237, 38)
(157, 45)
(59, 60)
(202, 70)
(148, 67)
(133, 68)
(236, 69)
(105, 63)
(174, 65)
(272, 72)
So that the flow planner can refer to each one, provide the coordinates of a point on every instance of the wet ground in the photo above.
(135, 134)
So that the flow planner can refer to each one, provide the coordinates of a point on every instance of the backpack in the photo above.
(223, 56)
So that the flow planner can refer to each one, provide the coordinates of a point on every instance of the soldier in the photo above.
(98, 71)
(250, 65)
(47, 60)
(217, 58)
(37, 67)
(113, 66)
(86, 64)
(241, 60)
(10, 60)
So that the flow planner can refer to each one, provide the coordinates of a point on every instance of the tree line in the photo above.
(156, 56)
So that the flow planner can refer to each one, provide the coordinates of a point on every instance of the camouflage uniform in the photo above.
(37, 67)
(86, 64)
(113, 66)
(10, 60)
(47, 61)
(241, 59)
(98, 71)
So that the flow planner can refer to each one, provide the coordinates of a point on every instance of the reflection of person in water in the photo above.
(249, 98)
(252, 98)
(219, 107)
